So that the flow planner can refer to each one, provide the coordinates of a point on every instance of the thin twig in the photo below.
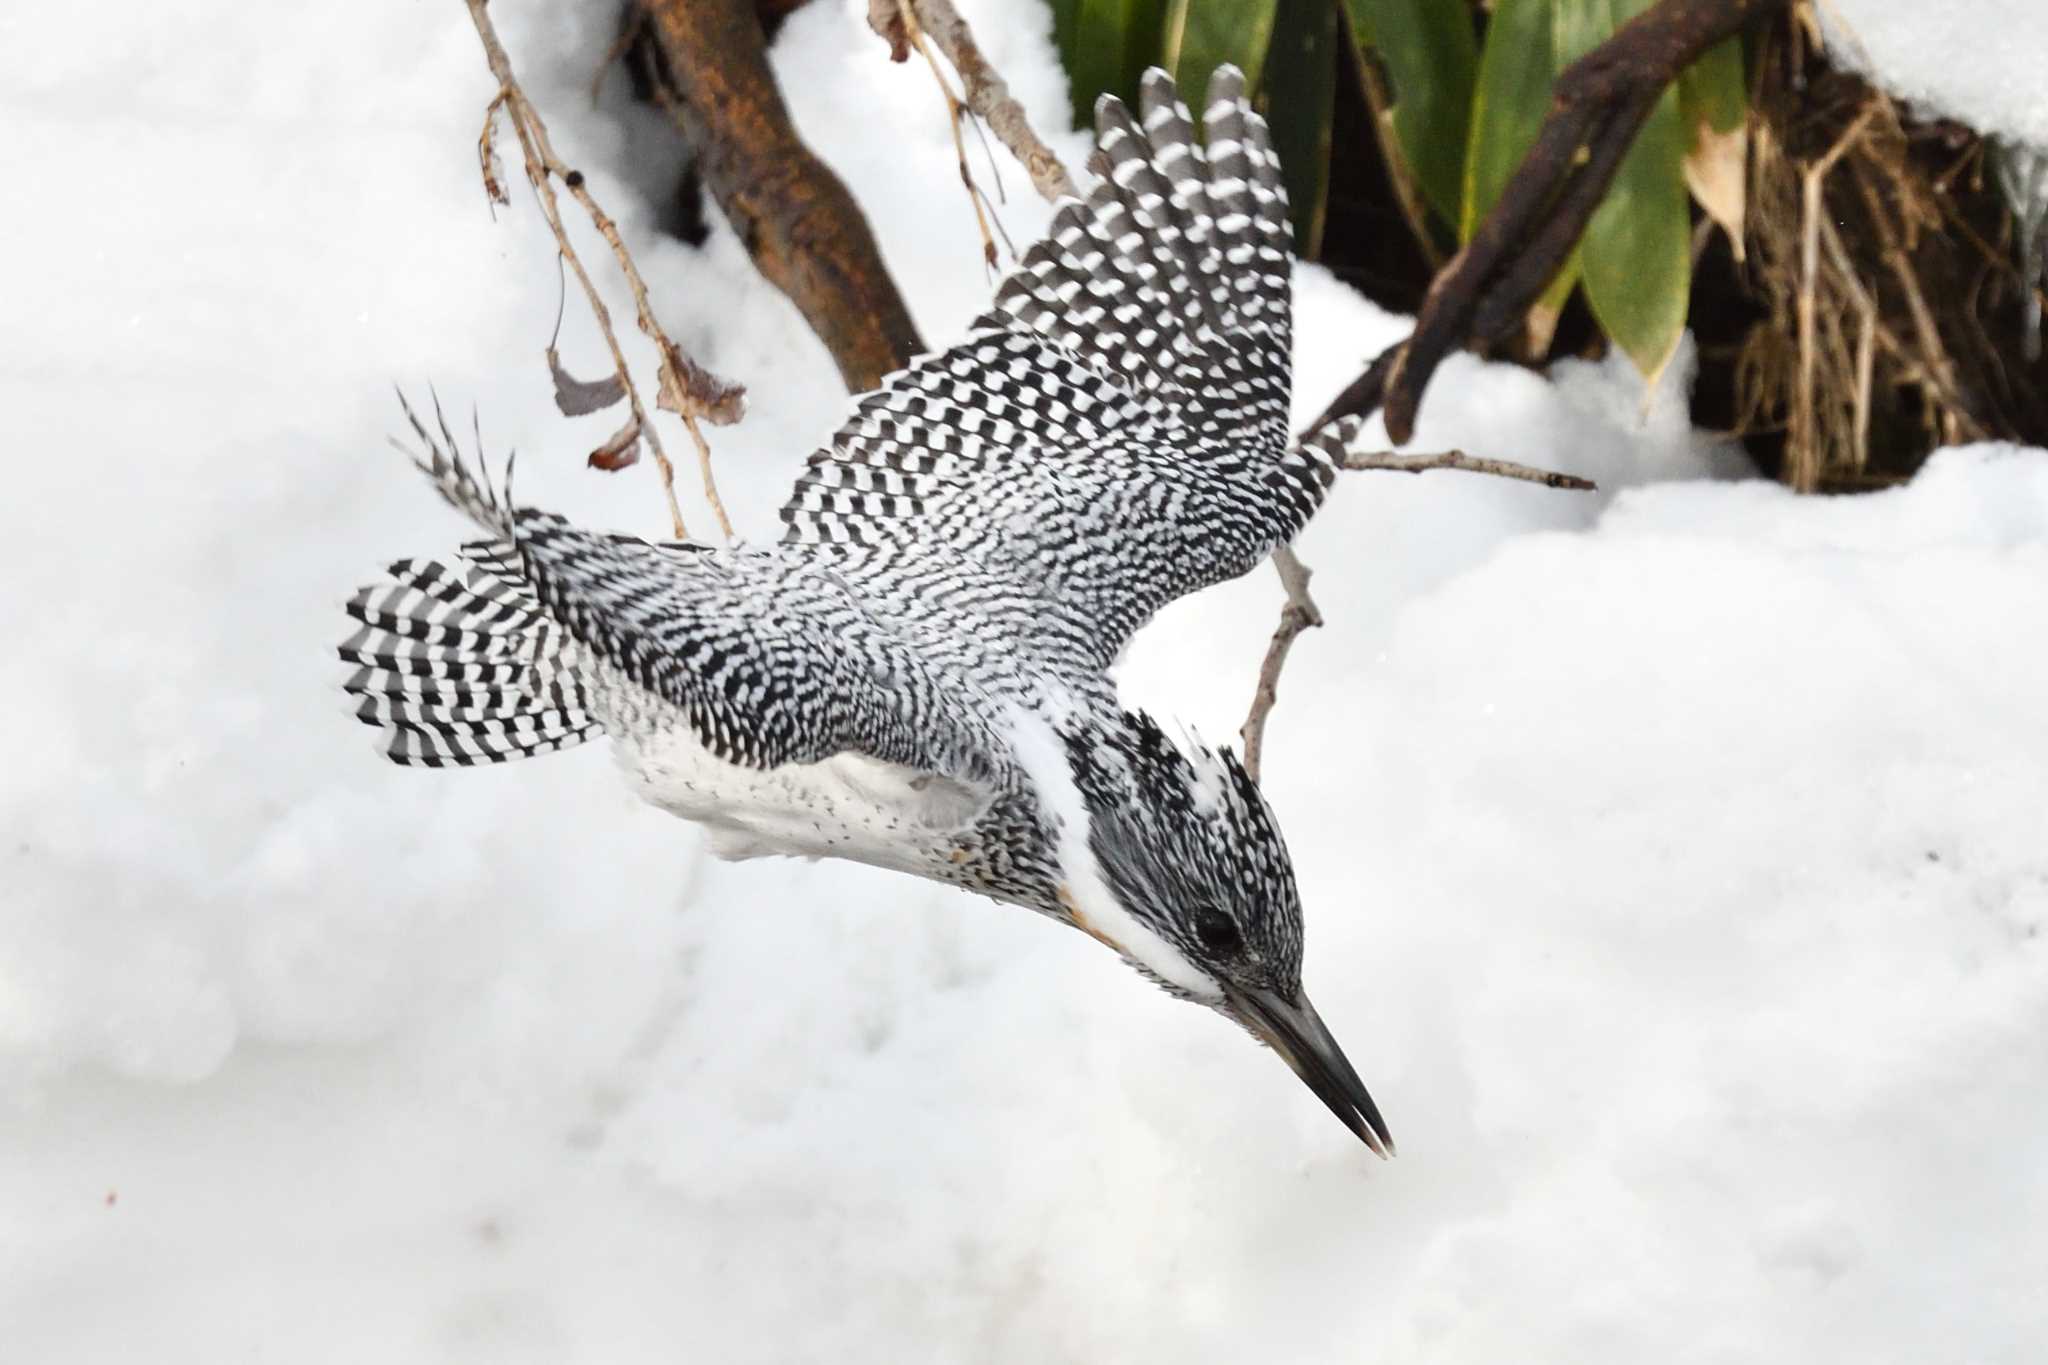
(982, 88)
(685, 388)
(956, 112)
(1472, 464)
(632, 24)
(1299, 613)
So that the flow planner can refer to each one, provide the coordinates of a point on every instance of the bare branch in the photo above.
(1472, 464)
(708, 66)
(1298, 615)
(686, 388)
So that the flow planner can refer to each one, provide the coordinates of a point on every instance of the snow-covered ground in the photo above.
(1674, 858)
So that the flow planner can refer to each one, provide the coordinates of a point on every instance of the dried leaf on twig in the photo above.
(690, 390)
(543, 169)
(885, 17)
(576, 397)
(621, 450)
(1717, 172)
(487, 154)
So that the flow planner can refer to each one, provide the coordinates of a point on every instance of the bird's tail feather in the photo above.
(463, 666)
(470, 494)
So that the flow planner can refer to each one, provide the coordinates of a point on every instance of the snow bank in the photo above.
(1974, 60)
(1673, 862)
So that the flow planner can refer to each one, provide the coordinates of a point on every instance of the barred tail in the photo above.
(464, 666)
(469, 494)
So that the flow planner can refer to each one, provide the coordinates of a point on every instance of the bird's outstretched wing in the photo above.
(1113, 432)
(546, 633)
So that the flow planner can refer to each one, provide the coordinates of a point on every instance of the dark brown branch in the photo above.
(1521, 279)
(1598, 105)
(805, 232)
(1361, 396)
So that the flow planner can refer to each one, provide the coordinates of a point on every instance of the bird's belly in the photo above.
(848, 806)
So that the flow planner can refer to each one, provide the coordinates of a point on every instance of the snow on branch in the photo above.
(686, 388)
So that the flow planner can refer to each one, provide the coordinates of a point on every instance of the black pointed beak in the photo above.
(1293, 1029)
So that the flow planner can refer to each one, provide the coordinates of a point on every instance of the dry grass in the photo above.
(1883, 333)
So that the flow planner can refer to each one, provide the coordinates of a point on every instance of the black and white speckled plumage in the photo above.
(915, 676)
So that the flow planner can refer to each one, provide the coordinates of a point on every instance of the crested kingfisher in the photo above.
(916, 675)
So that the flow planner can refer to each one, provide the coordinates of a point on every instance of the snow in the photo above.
(1978, 61)
(1672, 856)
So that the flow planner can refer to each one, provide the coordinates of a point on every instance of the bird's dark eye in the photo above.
(1217, 931)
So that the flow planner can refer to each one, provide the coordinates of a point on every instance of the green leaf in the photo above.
(1712, 91)
(1212, 32)
(1106, 45)
(1579, 26)
(1432, 60)
(1635, 257)
(1299, 91)
(1509, 99)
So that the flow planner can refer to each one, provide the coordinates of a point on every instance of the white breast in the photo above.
(849, 806)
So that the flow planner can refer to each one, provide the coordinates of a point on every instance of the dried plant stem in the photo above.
(1868, 331)
(1805, 443)
(1936, 362)
(543, 168)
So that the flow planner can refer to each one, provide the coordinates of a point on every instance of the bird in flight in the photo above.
(916, 676)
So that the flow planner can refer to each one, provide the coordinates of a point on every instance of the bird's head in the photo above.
(1169, 854)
